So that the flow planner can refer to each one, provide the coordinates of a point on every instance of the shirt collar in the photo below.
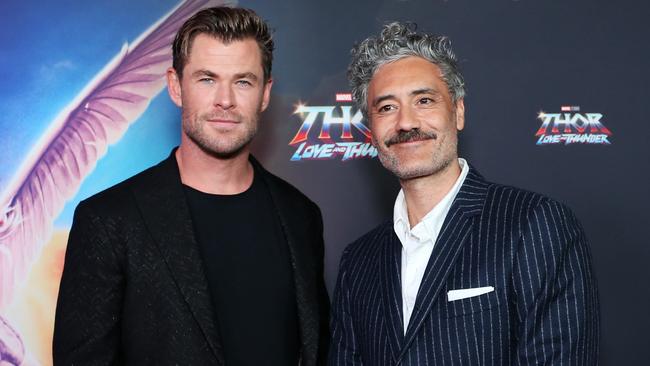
(432, 221)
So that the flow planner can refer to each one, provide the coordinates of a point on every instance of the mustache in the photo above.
(221, 115)
(411, 135)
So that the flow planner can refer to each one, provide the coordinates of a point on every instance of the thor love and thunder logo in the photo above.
(342, 134)
(572, 127)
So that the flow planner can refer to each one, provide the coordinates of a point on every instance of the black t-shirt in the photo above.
(247, 264)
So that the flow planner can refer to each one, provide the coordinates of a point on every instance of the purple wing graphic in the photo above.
(75, 140)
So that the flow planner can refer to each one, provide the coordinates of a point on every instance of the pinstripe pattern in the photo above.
(532, 250)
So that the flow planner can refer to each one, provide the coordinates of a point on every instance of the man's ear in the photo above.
(266, 96)
(460, 114)
(174, 87)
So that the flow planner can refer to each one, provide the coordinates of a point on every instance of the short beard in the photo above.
(441, 159)
(193, 128)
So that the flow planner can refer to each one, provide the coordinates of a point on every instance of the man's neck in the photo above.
(424, 193)
(211, 174)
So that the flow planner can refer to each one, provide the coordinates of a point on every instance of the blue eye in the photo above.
(244, 83)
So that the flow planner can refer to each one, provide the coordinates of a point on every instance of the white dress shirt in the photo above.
(418, 242)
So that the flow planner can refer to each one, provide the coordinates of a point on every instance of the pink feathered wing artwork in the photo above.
(69, 151)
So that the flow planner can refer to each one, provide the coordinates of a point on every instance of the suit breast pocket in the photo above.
(473, 305)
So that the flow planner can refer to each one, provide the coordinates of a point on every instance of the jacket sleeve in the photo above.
(556, 294)
(87, 321)
(343, 347)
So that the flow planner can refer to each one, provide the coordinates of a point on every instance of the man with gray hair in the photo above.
(467, 272)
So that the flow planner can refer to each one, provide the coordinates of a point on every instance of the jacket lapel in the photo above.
(390, 272)
(455, 231)
(299, 233)
(161, 200)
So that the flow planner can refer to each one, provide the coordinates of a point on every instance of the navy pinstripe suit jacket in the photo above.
(544, 309)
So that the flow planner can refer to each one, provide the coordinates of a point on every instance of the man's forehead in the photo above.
(408, 76)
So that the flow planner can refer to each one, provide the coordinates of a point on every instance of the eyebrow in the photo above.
(424, 91)
(246, 75)
(208, 73)
(413, 93)
(203, 72)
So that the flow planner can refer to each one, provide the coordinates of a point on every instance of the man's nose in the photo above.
(224, 97)
(406, 119)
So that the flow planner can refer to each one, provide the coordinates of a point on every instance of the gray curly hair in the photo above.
(397, 41)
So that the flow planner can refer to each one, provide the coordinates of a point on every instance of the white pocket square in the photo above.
(454, 295)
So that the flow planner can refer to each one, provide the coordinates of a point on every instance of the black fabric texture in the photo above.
(134, 290)
(247, 264)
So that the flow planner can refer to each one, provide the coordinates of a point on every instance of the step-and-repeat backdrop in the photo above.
(557, 103)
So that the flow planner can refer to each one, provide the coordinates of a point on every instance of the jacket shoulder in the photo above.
(507, 196)
(523, 208)
(289, 194)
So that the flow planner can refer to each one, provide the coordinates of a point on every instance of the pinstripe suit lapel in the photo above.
(391, 289)
(455, 231)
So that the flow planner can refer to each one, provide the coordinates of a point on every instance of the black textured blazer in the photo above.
(134, 291)
(531, 250)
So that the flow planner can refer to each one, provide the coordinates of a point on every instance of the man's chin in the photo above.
(210, 145)
(415, 171)
(225, 153)
(412, 174)
(406, 172)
